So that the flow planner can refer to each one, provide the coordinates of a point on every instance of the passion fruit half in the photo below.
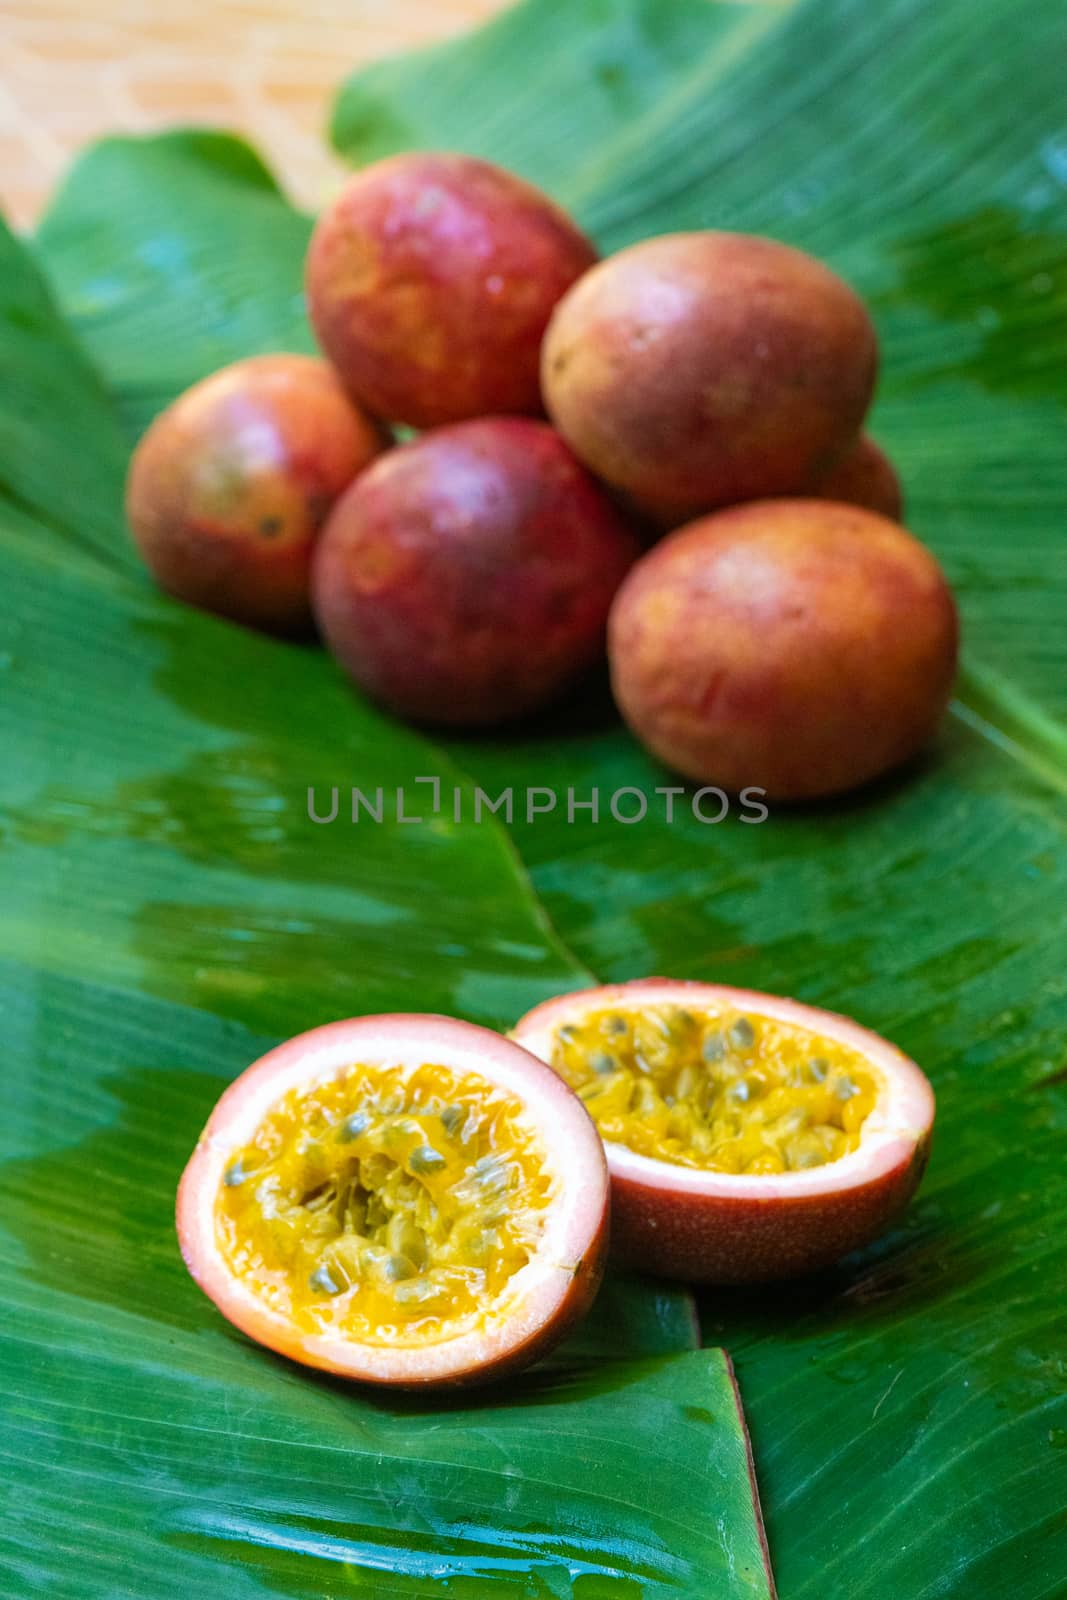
(748, 1137)
(405, 1200)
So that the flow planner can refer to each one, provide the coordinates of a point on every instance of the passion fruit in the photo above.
(229, 487)
(467, 577)
(404, 1200)
(748, 1137)
(430, 281)
(798, 646)
(699, 369)
(866, 477)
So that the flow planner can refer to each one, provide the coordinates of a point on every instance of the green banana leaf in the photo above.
(909, 1410)
(160, 905)
(149, 1451)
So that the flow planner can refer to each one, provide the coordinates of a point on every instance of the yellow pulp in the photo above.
(389, 1205)
(725, 1091)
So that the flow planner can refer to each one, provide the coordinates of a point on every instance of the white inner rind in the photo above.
(570, 1147)
(901, 1115)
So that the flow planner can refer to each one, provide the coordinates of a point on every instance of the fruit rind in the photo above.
(734, 1227)
(801, 647)
(430, 280)
(544, 1298)
(229, 486)
(867, 478)
(693, 370)
(466, 579)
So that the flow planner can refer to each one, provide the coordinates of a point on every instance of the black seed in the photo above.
(269, 526)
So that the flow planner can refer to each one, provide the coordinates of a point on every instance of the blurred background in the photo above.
(76, 69)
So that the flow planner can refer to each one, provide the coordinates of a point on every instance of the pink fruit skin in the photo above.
(866, 477)
(468, 578)
(228, 489)
(722, 1239)
(430, 282)
(700, 369)
(800, 646)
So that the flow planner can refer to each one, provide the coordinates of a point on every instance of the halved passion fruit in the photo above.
(400, 1199)
(748, 1137)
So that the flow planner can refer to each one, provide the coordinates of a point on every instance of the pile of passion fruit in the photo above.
(415, 1200)
(661, 451)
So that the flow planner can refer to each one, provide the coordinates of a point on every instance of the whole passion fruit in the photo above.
(699, 369)
(403, 1200)
(748, 1137)
(865, 477)
(467, 577)
(229, 487)
(798, 646)
(430, 281)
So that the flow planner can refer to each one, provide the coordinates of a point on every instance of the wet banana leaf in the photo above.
(909, 1411)
(149, 1449)
(160, 907)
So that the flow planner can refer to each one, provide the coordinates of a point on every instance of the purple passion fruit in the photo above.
(467, 577)
(865, 477)
(748, 1137)
(798, 646)
(403, 1200)
(430, 281)
(229, 487)
(700, 369)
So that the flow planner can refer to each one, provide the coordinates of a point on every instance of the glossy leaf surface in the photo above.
(908, 1411)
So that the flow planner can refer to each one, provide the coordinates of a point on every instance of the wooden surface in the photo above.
(75, 69)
